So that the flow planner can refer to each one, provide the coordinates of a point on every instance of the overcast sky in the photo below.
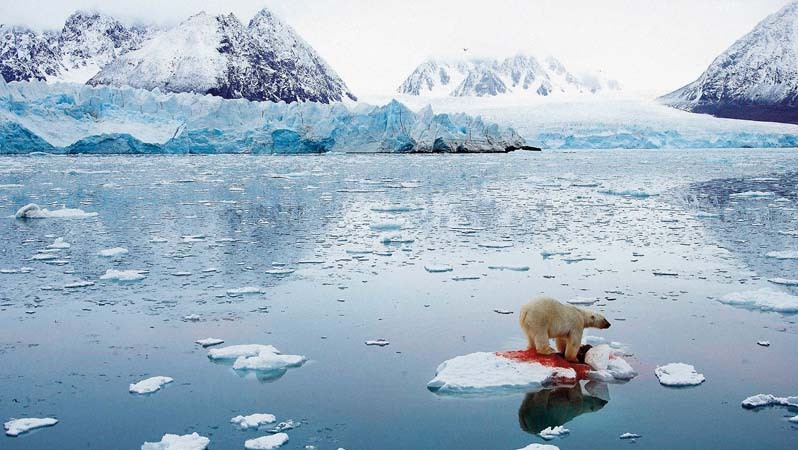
(649, 45)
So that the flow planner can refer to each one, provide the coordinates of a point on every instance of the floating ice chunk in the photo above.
(753, 194)
(629, 436)
(237, 351)
(678, 374)
(33, 211)
(192, 318)
(150, 385)
(502, 312)
(359, 251)
(585, 301)
(248, 290)
(192, 238)
(554, 432)
(279, 271)
(540, 447)
(764, 299)
(786, 254)
(268, 360)
(15, 427)
(123, 275)
(487, 373)
(266, 442)
(209, 342)
(620, 369)
(112, 252)
(510, 268)
(378, 343)
(626, 193)
(762, 400)
(191, 441)
(495, 244)
(59, 244)
(438, 268)
(253, 420)
(78, 284)
(783, 281)
(763, 343)
(396, 238)
(396, 208)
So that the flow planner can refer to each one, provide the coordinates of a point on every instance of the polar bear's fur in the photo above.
(545, 318)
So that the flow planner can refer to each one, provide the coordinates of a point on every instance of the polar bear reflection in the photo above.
(555, 407)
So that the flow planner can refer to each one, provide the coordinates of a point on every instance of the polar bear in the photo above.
(545, 318)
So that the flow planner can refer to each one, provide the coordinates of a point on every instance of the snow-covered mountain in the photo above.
(265, 60)
(756, 78)
(88, 41)
(521, 74)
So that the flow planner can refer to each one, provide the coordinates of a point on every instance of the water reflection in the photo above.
(555, 407)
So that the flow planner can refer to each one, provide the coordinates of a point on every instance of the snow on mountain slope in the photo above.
(520, 75)
(756, 78)
(218, 55)
(73, 118)
(88, 41)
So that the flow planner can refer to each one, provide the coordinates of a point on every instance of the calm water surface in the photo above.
(614, 219)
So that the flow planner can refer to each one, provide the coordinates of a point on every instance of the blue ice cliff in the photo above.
(71, 118)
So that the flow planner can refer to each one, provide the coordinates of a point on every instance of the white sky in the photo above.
(651, 46)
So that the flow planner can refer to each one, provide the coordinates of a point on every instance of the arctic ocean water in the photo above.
(337, 245)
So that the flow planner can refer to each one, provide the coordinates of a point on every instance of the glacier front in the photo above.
(69, 118)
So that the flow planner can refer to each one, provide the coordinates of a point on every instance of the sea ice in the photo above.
(486, 373)
(438, 268)
(248, 290)
(123, 275)
(112, 252)
(540, 447)
(15, 427)
(237, 351)
(191, 441)
(629, 436)
(253, 420)
(764, 299)
(150, 385)
(510, 268)
(786, 254)
(554, 432)
(762, 400)
(598, 358)
(378, 342)
(210, 342)
(33, 211)
(266, 442)
(752, 194)
(583, 301)
(268, 360)
(783, 281)
(678, 375)
(59, 244)
(495, 244)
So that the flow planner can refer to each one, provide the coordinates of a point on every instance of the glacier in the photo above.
(68, 118)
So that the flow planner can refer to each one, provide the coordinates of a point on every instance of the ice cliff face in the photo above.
(265, 60)
(87, 42)
(756, 78)
(521, 75)
(72, 118)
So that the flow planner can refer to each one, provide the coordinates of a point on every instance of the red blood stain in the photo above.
(531, 356)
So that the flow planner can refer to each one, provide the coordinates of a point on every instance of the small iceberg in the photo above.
(266, 442)
(626, 436)
(209, 342)
(15, 427)
(678, 375)
(237, 351)
(554, 432)
(253, 420)
(123, 275)
(59, 244)
(438, 268)
(248, 290)
(540, 447)
(191, 441)
(268, 360)
(763, 400)
(33, 211)
(150, 385)
(378, 343)
(764, 299)
(112, 252)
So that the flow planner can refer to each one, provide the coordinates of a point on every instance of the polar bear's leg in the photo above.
(542, 346)
(562, 345)
(572, 348)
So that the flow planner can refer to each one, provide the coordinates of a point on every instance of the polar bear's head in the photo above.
(596, 320)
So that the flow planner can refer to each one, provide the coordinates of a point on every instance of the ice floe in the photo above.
(540, 447)
(59, 244)
(510, 268)
(236, 351)
(112, 252)
(753, 194)
(123, 275)
(607, 365)
(15, 427)
(209, 342)
(678, 375)
(268, 360)
(266, 442)
(191, 441)
(783, 281)
(554, 432)
(629, 436)
(763, 400)
(33, 211)
(150, 385)
(495, 244)
(438, 268)
(247, 290)
(785, 254)
(378, 342)
(765, 299)
(253, 420)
